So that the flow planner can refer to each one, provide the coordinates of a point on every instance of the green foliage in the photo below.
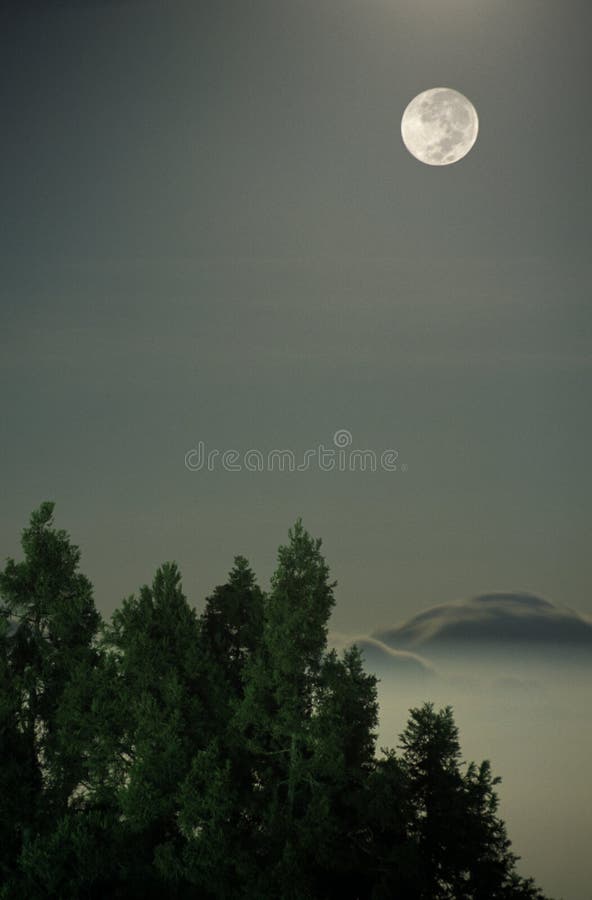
(154, 640)
(49, 629)
(231, 627)
(54, 622)
(296, 621)
(68, 861)
(226, 755)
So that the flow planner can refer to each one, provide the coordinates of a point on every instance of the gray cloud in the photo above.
(492, 621)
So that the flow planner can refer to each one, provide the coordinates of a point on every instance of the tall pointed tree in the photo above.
(48, 660)
(215, 796)
(462, 844)
(431, 757)
(333, 833)
(231, 627)
(276, 715)
(53, 621)
(155, 637)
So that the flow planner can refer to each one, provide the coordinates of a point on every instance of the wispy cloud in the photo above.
(381, 659)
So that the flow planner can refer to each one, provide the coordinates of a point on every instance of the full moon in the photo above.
(439, 126)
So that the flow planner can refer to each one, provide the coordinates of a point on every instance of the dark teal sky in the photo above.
(212, 231)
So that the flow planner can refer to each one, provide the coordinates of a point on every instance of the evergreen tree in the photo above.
(155, 639)
(462, 844)
(490, 862)
(231, 627)
(431, 758)
(394, 867)
(51, 607)
(214, 853)
(220, 757)
(335, 840)
(20, 778)
(48, 656)
(281, 688)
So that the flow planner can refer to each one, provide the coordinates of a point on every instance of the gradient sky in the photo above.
(212, 231)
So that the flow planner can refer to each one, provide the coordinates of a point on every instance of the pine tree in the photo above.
(20, 777)
(226, 756)
(335, 840)
(394, 867)
(48, 657)
(431, 758)
(52, 611)
(491, 864)
(462, 844)
(282, 683)
(155, 639)
(231, 628)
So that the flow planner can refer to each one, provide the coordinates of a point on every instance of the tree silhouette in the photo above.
(462, 843)
(225, 755)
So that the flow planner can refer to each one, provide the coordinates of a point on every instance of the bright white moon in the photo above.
(439, 126)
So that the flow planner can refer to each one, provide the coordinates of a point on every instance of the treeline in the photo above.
(167, 754)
